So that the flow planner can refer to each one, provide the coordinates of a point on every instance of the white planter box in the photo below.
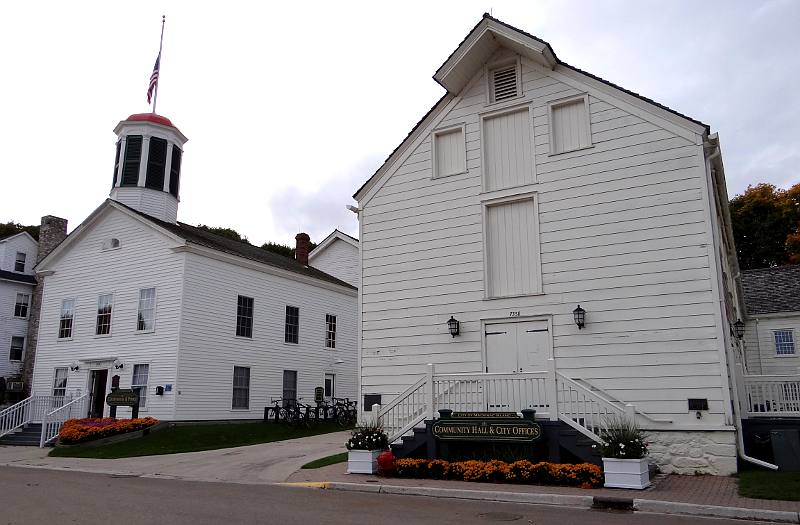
(626, 473)
(363, 461)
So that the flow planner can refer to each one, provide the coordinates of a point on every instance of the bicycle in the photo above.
(345, 411)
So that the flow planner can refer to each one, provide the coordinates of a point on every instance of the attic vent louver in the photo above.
(504, 83)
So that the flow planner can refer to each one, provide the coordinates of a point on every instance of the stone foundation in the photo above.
(693, 452)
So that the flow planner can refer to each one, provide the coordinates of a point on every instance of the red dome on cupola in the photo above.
(151, 117)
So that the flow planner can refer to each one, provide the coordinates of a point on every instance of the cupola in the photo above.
(147, 165)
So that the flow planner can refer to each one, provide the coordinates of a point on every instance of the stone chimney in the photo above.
(52, 231)
(302, 248)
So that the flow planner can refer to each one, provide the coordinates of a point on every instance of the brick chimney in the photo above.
(52, 231)
(302, 248)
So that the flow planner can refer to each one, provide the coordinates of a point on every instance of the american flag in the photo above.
(153, 79)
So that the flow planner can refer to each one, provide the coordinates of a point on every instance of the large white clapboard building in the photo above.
(531, 195)
(204, 327)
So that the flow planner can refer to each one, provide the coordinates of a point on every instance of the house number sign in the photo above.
(513, 313)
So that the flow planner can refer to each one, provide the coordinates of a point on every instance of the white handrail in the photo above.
(608, 397)
(52, 421)
(583, 409)
(15, 416)
(773, 395)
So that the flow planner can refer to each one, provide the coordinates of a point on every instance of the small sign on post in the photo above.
(123, 397)
(319, 395)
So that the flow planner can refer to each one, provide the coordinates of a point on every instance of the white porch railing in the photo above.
(551, 394)
(772, 396)
(29, 410)
(52, 421)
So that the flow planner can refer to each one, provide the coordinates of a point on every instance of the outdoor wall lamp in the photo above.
(74, 367)
(738, 328)
(118, 365)
(453, 325)
(579, 314)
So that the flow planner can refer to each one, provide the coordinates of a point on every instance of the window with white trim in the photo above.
(330, 385)
(65, 321)
(569, 125)
(244, 316)
(21, 305)
(449, 152)
(141, 374)
(105, 303)
(17, 346)
(504, 82)
(60, 382)
(292, 330)
(241, 387)
(330, 331)
(784, 342)
(146, 315)
(19, 262)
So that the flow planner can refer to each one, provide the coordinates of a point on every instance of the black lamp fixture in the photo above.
(74, 366)
(118, 365)
(453, 325)
(738, 328)
(579, 314)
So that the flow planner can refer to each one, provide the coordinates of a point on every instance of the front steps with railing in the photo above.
(37, 420)
(29, 435)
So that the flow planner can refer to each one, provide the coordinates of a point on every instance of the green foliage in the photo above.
(228, 233)
(368, 437)
(766, 226)
(280, 249)
(12, 228)
(622, 439)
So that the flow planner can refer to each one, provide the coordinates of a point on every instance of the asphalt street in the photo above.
(48, 496)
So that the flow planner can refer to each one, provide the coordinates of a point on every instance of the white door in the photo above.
(512, 348)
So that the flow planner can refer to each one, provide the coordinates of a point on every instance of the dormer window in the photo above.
(504, 82)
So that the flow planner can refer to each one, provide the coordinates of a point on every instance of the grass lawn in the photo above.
(191, 438)
(768, 484)
(324, 462)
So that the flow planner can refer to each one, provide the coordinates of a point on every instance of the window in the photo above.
(105, 304)
(116, 164)
(569, 125)
(449, 152)
(17, 345)
(244, 316)
(21, 305)
(111, 244)
(145, 318)
(289, 386)
(503, 82)
(784, 342)
(241, 387)
(330, 331)
(156, 164)
(292, 324)
(65, 322)
(141, 373)
(19, 262)
(330, 385)
(60, 382)
(133, 157)
(508, 159)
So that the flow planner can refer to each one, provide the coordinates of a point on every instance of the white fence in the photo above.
(772, 396)
(53, 420)
(29, 410)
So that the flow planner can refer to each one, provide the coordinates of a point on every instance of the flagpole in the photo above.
(160, 45)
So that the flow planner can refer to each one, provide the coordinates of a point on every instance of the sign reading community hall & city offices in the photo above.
(486, 426)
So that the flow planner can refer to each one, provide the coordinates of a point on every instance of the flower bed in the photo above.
(80, 430)
(584, 475)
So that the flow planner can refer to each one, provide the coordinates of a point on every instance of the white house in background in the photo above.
(772, 325)
(337, 255)
(204, 327)
(531, 191)
(17, 258)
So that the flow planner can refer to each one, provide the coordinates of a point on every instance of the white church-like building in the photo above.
(203, 327)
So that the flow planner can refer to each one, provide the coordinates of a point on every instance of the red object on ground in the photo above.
(386, 464)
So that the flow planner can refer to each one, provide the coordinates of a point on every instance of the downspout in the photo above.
(734, 385)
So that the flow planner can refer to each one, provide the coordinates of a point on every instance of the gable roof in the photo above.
(12, 235)
(333, 236)
(771, 290)
(477, 47)
(193, 235)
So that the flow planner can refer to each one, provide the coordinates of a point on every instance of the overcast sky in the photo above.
(290, 108)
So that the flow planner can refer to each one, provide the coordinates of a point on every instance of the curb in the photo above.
(581, 502)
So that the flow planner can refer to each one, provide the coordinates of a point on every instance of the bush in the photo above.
(80, 430)
(622, 439)
(584, 475)
(367, 437)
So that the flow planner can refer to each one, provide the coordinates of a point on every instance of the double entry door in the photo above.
(512, 349)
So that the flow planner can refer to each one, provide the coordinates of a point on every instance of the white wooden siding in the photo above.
(85, 271)
(570, 125)
(623, 233)
(339, 259)
(18, 243)
(11, 326)
(159, 204)
(507, 149)
(449, 150)
(210, 348)
(512, 248)
(760, 345)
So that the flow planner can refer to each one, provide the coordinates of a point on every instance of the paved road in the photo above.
(46, 496)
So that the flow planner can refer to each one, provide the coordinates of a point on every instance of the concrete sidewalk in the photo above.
(263, 463)
(694, 495)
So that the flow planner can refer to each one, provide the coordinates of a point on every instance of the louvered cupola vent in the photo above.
(504, 83)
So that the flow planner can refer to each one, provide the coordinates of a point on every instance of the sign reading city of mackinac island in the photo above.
(123, 397)
(487, 426)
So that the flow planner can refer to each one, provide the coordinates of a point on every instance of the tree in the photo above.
(766, 226)
(12, 228)
(282, 249)
(228, 233)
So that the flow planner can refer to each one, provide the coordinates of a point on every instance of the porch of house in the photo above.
(37, 420)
